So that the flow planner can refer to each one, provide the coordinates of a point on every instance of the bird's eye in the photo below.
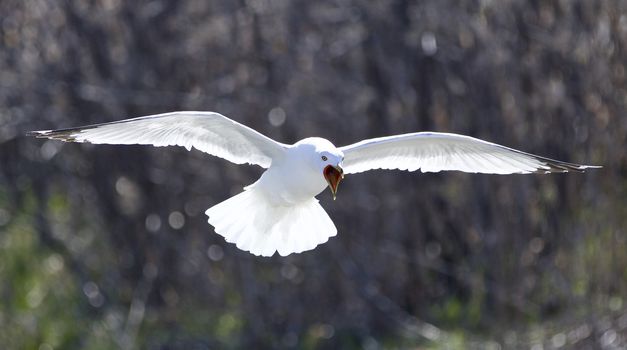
(324, 158)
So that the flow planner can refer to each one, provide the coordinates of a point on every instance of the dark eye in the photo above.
(324, 158)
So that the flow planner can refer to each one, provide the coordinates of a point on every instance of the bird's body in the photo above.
(279, 212)
(295, 177)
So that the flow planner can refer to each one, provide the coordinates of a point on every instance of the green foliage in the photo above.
(41, 300)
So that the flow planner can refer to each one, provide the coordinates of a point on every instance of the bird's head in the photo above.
(332, 171)
(328, 160)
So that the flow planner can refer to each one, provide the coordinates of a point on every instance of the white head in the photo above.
(326, 158)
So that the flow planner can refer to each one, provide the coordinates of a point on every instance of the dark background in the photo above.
(108, 246)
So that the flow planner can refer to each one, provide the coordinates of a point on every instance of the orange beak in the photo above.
(333, 175)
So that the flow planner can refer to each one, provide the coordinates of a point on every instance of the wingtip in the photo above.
(583, 168)
(592, 167)
(62, 135)
(563, 167)
(36, 133)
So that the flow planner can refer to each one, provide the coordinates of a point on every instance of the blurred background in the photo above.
(108, 246)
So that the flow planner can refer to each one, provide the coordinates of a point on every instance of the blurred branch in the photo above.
(137, 309)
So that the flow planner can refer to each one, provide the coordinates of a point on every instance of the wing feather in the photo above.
(434, 152)
(209, 132)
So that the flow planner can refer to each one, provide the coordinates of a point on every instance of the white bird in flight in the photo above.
(279, 212)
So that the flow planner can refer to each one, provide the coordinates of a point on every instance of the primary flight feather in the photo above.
(279, 212)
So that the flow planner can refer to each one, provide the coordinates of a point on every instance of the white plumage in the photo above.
(279, 212)
(266, 228)
(434, 152)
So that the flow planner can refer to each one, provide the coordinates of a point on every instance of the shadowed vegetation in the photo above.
(108, 247)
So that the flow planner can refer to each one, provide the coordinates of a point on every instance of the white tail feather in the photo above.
(258, 226)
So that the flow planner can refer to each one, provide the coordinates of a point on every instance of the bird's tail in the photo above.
(256, 225)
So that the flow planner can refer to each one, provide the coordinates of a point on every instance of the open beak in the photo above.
(333, 175)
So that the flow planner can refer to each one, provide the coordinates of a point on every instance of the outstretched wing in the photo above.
(209, 132)
(433, 152)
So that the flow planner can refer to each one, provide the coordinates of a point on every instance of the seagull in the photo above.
(279, 212)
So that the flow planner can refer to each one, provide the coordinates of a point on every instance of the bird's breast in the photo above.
(286, 185)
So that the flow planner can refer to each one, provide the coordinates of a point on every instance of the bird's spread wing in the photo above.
(209, 132)
(433, 152)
